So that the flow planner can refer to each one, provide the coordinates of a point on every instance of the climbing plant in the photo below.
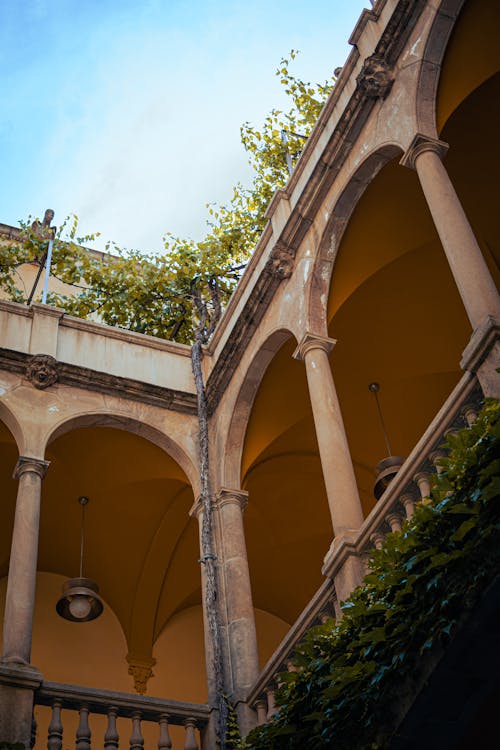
(423, 582)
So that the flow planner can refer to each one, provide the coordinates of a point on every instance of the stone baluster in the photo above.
(407, 500)
(271, 706)
(436, 457)
(55, 731)
(136, 739)
(111, 738)
(261, 708)
(422, 480)
(190, 743)
(83, 734)
(394, 521)
(164, 741)
(470, 414)
(377, 539)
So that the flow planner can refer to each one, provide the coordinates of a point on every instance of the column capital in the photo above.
(419, 144)
(235, 497)
(34, 465)
(312, 341)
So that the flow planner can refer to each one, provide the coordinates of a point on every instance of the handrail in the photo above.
(126, 704)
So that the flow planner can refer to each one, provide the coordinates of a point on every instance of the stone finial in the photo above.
(376, 77)
(141, 669)
(280, 263)
(42, 371)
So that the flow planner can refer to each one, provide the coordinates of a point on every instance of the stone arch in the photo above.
(320, 279)
(8, 417)
(431, 68)
(128, 424)
(244, 402)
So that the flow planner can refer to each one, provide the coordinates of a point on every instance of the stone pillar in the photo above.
(242, 638)
(20, 600)
(473, 279)
(17, 678)
(470, 271)
(338, 472)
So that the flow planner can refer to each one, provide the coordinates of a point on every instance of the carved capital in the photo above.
(376, 77)
(419, 145)
(141, 669)
(280, 263)
(42, 371)
(235, 497)
(34, 465)
(312, 341)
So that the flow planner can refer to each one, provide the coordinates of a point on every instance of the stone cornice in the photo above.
(26, 464)
(312, 341)
(102, 382)
(419, 145)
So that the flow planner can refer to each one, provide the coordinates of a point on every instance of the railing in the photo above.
(411, 484)
(113, 705)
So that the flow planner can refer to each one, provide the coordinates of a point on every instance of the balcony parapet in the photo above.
(87, 701)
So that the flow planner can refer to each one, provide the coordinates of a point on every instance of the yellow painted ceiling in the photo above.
(137, 521)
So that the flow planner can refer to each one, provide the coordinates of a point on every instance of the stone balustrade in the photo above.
(87, 701)
(411, 484)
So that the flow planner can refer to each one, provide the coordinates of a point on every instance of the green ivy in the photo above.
(423, 581)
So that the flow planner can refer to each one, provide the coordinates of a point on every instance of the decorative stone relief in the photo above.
(376, 77)
(141, 670)
(280, 263)
(42, 371)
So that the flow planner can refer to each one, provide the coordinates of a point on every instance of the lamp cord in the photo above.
(382, 423)
(82, 540)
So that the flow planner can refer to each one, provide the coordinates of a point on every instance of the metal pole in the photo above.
(47, 272)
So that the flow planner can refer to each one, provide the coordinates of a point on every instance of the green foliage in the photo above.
(422, 581)
(156, 294)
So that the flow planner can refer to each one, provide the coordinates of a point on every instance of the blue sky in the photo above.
(127, 112)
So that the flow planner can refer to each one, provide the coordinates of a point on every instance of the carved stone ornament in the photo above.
(376, 78)
(141, 670)
(280, 263)
(41, 371)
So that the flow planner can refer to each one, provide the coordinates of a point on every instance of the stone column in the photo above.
(242, 638)
(20, 600)
(470, 271)
(17, 678)
(338, 472)
(473, 279)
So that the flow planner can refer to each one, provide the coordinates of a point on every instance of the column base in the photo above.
(482, 356)
(344, 566)
(17, 686)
